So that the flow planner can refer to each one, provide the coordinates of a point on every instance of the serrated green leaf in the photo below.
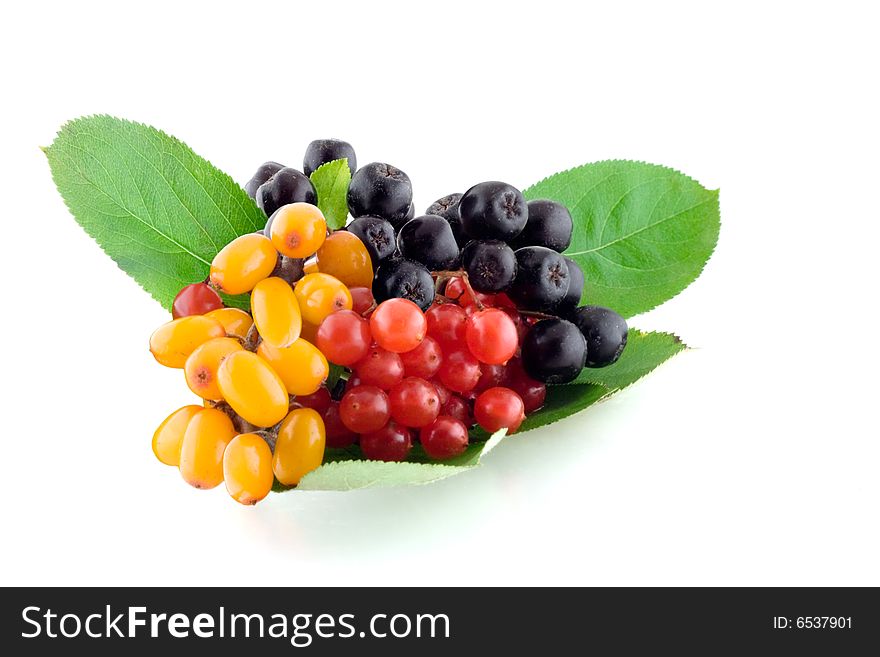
(154, 206)
(347, 474)
(642, 232)
(643, 352)
(331, 182)
(563, 401)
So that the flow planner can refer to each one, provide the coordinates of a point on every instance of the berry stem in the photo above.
(535, 313)
(252, 339)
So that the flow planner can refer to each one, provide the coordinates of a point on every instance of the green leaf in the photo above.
(643, 352)
(345, 469)
(563, 401)
(331, 182)
(336, 372)
(642, 232)
(357, 474)
(154, 206)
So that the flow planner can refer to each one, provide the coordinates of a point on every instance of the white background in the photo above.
(752, 459)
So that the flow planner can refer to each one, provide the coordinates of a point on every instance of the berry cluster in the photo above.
(442, 322)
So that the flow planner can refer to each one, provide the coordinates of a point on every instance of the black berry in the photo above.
(541, 279)
(490, 265)
(285, 186)
(605, 332)
(266, 171)
(447, 207)
(377, 234)
(493, 211)
(429, 240)
(380, 190)
(549, 225)
(398, 277)
(575, 289)
(554, 351)
(322, 151)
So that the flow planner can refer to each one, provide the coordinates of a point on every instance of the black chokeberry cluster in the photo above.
(489, 235)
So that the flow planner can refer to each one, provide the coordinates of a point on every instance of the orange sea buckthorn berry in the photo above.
(173, 342)
(243, 263)
(301, 366)
(247, 468)
(276, 312)
(297, 230)
(300, 445)
(319, 295)
(344, 256)
(202, 365)
(236, 321)
(311, 266)
(252, 388)
(201, 453)
(169, 435)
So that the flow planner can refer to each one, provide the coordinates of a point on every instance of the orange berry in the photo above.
(173, 342)
(276, 312)
(243, 263)
(202, 365)
(236, 321)
(247, 468)
(201, 453)
(319, 295)
(344, 256)
(169, 435)
(301, 366)
(300, 445)
(297, 230)
(252, 388)
(311, 266)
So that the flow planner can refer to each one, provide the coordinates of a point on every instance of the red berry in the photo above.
(361, 299)
(458, 408)
(195, 299)
(424, 360)
(504, 302)
(446, 324)
(491, 336)
(344, 337)
(390, 443)
(459, 371)
(380, 368)
(533, 393)
(455, 289)
(444, 438)
(318, 400)
(442, 392)
(490, 376)
(398, 325)
(338, 435)
(414, 402)
(497, 408)
(353, 382)
(364, 409)
(522, 326)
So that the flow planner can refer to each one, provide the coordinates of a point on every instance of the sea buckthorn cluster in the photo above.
(249, 367)
(440, 323)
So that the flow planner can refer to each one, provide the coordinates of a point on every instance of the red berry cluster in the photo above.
(427, 376)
